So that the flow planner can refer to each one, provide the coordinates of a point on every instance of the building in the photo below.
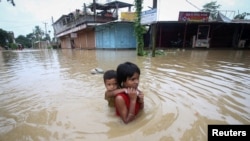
(79, 29)
(115, 35)
(201, 32)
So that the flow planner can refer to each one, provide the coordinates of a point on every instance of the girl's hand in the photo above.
(132, 93)
(141, 97)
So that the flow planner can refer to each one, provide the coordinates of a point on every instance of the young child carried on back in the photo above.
(112, 88)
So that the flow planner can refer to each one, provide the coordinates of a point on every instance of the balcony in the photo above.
(100, 13)
(66, 22)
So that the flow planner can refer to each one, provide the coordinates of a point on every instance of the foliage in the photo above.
(26, 42)
(11, 1)
(30, 36)
(50, 47)
(38, 33)
(158, 52)
(47, 37)
(212, 8)
(13, 46)
(5, 38)
(242, 16)
(139, 29)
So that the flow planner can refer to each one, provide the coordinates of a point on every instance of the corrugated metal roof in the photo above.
(223, 18)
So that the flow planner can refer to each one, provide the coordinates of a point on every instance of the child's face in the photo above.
(132, 82)
(111, 84)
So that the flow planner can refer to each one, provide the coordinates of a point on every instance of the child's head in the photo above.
(128, 75)
(109, 78)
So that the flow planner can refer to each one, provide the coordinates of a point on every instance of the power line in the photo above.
(193, 5)
(21, 21)
(20, 26)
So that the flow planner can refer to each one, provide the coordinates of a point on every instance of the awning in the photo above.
(222, 18)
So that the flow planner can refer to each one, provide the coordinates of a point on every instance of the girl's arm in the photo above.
(127, 115)
(141, 99)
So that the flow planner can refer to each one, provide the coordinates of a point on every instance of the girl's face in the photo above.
(132, 82)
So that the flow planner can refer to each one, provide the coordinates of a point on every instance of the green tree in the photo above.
(38, 32)
(212, 8)
(242, 16)
(11, 1)
(26, 42)
(47, 37)
(139, 29)
(30, 36)
(5, 38)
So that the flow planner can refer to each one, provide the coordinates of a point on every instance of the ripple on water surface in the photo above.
(51, 94)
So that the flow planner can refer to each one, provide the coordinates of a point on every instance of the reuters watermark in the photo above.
(239, 132)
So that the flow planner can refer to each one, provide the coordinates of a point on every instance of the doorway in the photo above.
(202, 38)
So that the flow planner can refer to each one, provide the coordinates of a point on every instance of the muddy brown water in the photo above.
(50, 95)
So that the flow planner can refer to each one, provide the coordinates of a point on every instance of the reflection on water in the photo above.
(51, 94)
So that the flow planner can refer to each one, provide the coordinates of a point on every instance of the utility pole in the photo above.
(154, 31)
(45, 24)
(94, 8)
(54, 33)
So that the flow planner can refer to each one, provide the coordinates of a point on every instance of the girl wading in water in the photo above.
(131, 101)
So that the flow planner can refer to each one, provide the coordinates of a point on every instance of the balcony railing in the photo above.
(81, 19)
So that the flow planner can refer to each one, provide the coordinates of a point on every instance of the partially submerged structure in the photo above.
(115, 35)
(201, 32)
(97, 27)
(83, 29)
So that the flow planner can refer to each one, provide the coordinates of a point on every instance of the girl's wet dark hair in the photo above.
(126, 70)
(109, 74)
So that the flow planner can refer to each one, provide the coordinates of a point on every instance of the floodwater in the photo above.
(50, 95)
